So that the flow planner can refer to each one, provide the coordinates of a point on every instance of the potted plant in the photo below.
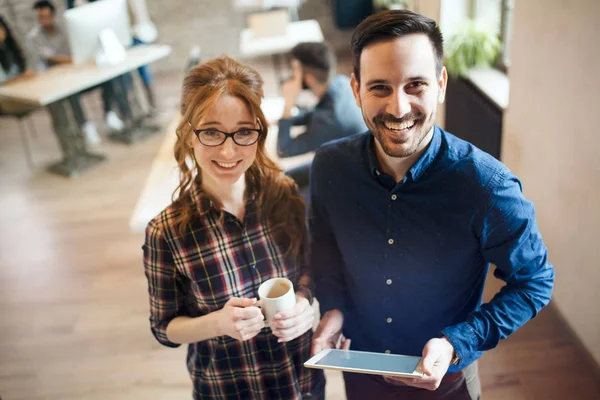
(473, 46)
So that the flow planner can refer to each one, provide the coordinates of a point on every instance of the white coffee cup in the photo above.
(276, 294)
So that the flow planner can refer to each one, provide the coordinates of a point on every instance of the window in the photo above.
(497, 14)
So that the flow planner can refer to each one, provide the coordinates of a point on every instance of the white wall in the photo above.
(552, 143)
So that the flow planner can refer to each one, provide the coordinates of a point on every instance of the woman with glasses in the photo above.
(236, 221)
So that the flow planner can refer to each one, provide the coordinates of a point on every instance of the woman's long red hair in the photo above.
(278, 201)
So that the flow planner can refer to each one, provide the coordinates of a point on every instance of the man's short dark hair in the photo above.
(41, 4)
(394, 24)
(316, 58)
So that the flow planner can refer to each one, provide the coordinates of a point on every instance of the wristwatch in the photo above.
(305, 290)
(455, 359)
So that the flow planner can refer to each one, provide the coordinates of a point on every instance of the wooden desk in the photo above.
(51, 89)
(164, 174)
(62, 81)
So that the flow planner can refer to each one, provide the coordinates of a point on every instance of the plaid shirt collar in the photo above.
(205, 204)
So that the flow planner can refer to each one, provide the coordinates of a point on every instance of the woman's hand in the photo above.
(289, 324)
(240, 319)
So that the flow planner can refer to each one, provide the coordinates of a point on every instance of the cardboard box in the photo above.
(270, 23)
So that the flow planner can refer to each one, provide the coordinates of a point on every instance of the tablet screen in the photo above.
(370, 361)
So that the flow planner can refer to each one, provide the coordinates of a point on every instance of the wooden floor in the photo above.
(73, 302)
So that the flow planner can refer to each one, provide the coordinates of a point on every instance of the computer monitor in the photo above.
(85, 23)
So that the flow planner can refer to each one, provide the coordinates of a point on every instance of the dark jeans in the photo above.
(113, 91)
(301, 175)
(463, 385)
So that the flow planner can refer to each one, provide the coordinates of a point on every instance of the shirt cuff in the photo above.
(465, 342)
(160, 333)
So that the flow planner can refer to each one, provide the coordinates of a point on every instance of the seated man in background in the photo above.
(49, 46)
(13, 66)
(336, 114)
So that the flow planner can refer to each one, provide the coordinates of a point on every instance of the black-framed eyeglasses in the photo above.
(212, 137)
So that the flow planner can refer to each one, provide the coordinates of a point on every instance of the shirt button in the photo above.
(387, 352)
(391, 241)
(394, 197)
(389, 320)
(389, 281)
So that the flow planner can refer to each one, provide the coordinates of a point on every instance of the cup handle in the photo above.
(260, 304)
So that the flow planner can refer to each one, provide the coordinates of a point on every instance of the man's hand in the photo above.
(289, 324)
(437, 355)
(60, 59)
(290, 90)
(329, 333)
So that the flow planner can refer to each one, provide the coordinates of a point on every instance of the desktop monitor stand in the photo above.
(111, 52)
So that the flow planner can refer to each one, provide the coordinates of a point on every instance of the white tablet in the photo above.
(365, 362)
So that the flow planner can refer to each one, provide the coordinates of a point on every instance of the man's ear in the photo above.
(355, 84)
(442, 84)
(309, 79)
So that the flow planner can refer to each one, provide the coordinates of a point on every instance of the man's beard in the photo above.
(421, 128)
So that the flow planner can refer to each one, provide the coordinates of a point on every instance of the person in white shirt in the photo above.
(49, 46)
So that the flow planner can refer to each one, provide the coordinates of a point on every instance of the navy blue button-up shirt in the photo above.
(406, 262)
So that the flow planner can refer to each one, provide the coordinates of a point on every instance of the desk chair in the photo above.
(21, 114)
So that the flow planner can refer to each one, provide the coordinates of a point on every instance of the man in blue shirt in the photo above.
(334, 116)
(407, 219)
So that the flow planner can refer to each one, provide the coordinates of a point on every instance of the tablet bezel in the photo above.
(312, 363)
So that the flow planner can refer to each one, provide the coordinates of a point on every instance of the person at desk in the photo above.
(12, 66)
(12, 61)
(407, 219)
(144, 31)
(49, 46)
(236, 222)
(335, 115)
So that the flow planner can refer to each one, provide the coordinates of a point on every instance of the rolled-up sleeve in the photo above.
(165, 287)
(511, 240)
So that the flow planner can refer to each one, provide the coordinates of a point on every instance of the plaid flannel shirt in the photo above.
(197, 274)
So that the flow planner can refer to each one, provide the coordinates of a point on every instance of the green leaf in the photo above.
(472, 46)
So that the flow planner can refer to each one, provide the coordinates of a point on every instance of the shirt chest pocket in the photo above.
(216, 280)
(211, 276)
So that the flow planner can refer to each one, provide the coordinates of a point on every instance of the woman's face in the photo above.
(2, 34)
(226, 163)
